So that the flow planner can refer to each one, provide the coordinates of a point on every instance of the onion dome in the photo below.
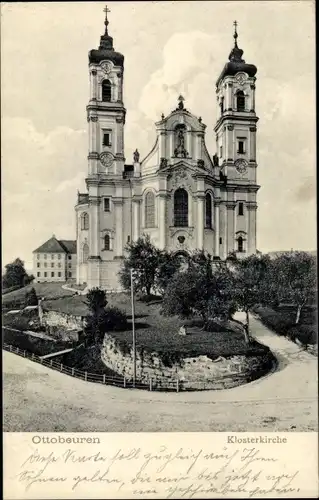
(106, 49)
(236, 62)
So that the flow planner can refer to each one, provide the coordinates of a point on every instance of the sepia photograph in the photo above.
(159, 255)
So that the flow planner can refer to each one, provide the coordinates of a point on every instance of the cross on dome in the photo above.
(235, 33)
(106, 22)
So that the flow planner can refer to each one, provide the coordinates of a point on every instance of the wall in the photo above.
(195, 373)
(49, 263)
(56, 318)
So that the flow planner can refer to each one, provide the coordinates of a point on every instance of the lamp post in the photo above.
(133, 328)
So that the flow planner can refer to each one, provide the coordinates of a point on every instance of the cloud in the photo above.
(306, 191)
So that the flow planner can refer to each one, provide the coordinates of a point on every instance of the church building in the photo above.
(183, 197)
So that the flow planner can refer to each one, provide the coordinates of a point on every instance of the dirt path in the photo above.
(39, 399)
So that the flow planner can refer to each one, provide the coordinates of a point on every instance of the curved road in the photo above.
(39, 399)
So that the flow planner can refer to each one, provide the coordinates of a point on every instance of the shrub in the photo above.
(31, 298)
(115, 319)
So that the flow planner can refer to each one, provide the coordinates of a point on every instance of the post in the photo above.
(150, 383)
(32, 356)
(133, 329)
(61, 367)
(10, 348)
(72, 372)
(24, 354)
(177, 385)
(104, 378)
(124, 382)
(85, 376)
(51, 362)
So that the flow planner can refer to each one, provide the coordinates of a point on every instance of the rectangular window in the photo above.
(128, 239)
(220, 151)
(70, 265)
(38, 256)
(45, 264)
(38, 274)
(52, 256)
(241, 146)
(52, 275)
(240, 208)
(45, 255)
(70, 257)
(45, 274)
(59, 265)
(52, 264)
(220, 241)
(59, 256)
(38, 264)
(107, 138)
(59, 275)
(107, 207)
(70, 275)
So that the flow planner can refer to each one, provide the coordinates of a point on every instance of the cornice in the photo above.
(234, 118)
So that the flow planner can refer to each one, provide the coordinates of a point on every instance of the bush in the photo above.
(115, 319)
(31, 298)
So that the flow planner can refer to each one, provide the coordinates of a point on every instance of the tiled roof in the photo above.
(70, 245)
(57, 246)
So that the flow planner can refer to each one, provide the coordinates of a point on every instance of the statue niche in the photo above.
(180, 151)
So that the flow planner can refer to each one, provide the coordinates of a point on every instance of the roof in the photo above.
(57, 246)
(70, 245)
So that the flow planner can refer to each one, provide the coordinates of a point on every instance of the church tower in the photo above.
(100, 211)
(236, 149)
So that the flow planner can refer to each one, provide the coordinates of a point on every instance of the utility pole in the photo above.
(133, 328)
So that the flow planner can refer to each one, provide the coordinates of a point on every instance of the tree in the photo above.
(295, 279)
(15, 274)
(200, 291)
(96, 300)
(31, 298)
(251, 284)
(169, 263)
(144, 258)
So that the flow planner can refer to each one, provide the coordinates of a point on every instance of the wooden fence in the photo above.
(156, 383)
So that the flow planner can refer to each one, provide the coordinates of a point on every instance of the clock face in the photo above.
(241, 166)
(241, 78)
(106, 66)
(106, 159)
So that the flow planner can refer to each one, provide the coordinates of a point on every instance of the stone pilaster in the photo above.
(229, 97)
(162, 219)
(252, 212)
(216, 206)
(223, 230)
(230, 226)
(252, 151)
(94, 225)
(252, 98)
(200, 221)
(93, 84)
(118, 208)
(162, 144)
(136, 218)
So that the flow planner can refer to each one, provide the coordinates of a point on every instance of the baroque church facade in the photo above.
(181, 196)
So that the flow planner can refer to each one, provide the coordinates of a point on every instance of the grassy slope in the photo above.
(46, 290)
(282, 322)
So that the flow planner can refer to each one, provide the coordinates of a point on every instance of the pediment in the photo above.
(185, 165)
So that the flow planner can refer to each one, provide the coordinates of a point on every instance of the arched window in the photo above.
(208, 211)
(240, 244)
(106, 90)
(107, 242)
(180, 208)
(240, 101)
(85, 252)
(85, 221)
(149, 210)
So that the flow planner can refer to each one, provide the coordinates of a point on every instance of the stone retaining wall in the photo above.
(194, 373)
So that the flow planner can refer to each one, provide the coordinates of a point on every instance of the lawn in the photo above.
(155, 332)
(282, 321)
(15, 299)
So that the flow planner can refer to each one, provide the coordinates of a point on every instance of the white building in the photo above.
(179, 194)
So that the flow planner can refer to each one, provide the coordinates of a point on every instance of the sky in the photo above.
(170, 48)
